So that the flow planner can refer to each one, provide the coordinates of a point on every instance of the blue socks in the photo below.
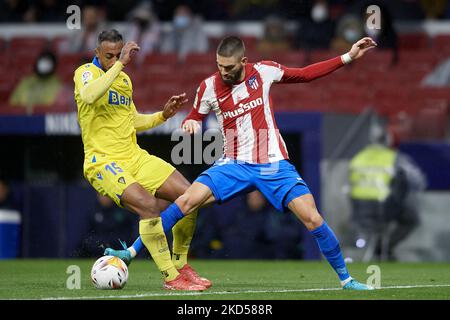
(170, 216)
(329, 246)
(137, 246)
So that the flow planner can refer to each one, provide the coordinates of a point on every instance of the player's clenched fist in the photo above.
(173, 104)
(127, 50)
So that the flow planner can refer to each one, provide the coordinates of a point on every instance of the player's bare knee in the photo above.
(182, 203)
(149, 208)
(186, 203)
(145, 206)
(313, 220)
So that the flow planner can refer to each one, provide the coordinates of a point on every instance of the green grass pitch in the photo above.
(232, 280)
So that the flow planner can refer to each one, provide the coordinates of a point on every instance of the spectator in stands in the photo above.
(354, 26)
(144, 29)
(13, 10)
(108, 223)
(317, 30)
(46, 11)
(254, 9)
(187, 34)
(434, 9)
(385, 185)
(42, 87)
(348, 30)
(275, 37)
(85, 39)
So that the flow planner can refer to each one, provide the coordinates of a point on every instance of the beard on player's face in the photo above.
(233, 77)
(231, 68)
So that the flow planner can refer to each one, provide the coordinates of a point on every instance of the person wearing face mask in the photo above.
(144, 28)
(93, 21)
(275, 37)
(187, 34)
(317, 30)
(349, 29)
(41, 87)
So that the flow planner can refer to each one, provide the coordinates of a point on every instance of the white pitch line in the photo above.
(174, 294)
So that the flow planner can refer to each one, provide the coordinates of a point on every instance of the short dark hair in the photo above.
(231, 46)
(109, 35)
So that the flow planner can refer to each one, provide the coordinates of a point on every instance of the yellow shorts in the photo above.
(110, 177)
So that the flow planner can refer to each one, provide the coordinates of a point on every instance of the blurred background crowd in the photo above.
(403, 85)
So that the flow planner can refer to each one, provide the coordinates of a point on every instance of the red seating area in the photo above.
(394, 91)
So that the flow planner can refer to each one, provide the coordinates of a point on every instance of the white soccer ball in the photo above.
(109, 272)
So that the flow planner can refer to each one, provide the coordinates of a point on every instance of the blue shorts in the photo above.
(279, 181)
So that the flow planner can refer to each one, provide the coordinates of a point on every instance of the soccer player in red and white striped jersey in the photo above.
(255, 155)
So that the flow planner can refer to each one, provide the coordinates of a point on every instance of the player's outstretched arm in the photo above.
(323, 68)
(93, 90)
(144, 122)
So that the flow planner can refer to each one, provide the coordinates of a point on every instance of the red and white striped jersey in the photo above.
(245, 110)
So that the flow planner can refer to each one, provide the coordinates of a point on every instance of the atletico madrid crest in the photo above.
(253, 83)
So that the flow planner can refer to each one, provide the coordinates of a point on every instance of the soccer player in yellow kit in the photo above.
(116, 166)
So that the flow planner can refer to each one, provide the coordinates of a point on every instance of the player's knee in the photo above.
(149, 208)
(313, 220)
(145, 207)
(186, 203)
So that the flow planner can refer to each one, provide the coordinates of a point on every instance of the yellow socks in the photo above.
(154, 239)
(183, 232)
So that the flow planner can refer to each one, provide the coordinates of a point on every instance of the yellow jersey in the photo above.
(107, 124)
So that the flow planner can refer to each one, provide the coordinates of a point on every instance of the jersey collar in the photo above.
(97, 63)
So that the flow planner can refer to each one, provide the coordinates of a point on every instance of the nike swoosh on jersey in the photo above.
(223, 99)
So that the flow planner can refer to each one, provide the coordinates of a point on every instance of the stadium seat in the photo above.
(413, 41)
(55, 43)
(22, 62)
(400, 125)
(42, 110)
(161, 59)
(251, 42)
(441, 44)
(432, 120)
(392, 106)
(320, 55)
(433, 92)
(5, 92)
(290, 58)
(68, 63)
(416, 60)
(7, 109)
(31, 45)
(380, 56)
(201, 58)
